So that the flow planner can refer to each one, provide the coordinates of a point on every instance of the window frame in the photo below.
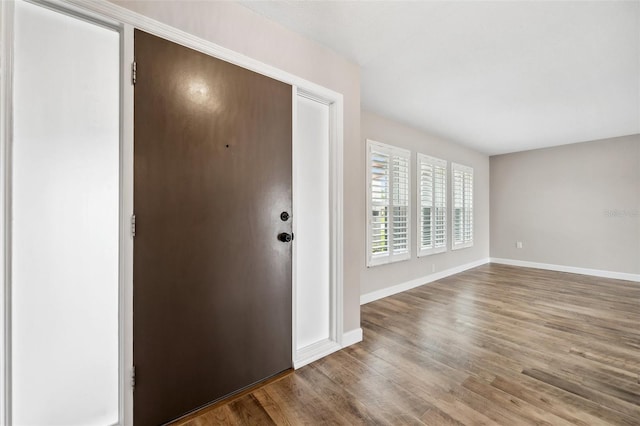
(434, 162)
(467, 210)
(389, 256)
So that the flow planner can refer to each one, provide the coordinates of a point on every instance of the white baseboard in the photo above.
(314, 352)
(399, 288)
(325, 347)
(571, 269)
(351, 337)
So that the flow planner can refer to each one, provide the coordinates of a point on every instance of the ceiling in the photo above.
(498, 76)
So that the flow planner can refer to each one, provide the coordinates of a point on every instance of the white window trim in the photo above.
(466, 170)
(389, 257)
(437, 162)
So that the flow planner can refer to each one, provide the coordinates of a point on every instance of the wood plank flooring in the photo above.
(493, 345)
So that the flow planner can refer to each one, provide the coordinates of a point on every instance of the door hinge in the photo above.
(133, 377)
(134, 72)
(133, 225)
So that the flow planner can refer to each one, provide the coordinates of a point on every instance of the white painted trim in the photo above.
(337, 339)
(126, 239)
(336, 214)
(417, 282)
(106, 9)
(318, 350)
(314, 352)
(428, 252)
(336, 219)
(6, 126)
(462, 245)
(294, 230)
(570, 269)
(461, 167)
(352, 337)
(326, 347)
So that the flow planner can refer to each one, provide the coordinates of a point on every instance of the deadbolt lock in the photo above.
(285, 238)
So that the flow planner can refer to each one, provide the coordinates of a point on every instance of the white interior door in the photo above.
(65, 230)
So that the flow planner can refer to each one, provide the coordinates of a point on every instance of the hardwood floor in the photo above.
(493, 345)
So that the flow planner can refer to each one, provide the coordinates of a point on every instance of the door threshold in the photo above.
(228, 398)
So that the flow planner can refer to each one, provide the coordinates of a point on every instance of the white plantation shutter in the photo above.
(440, 203)
(400, 204)
(462, 211)
(468, 207)
(388, 203)
(379, 193)
(432, 205)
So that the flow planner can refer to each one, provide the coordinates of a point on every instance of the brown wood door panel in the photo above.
(212, 284)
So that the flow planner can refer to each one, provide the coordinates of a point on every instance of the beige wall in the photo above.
(239, 29)
(387, 131)
(573, 205)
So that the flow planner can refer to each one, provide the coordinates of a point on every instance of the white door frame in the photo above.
(6, 66)
(324, 347)
(126, 20)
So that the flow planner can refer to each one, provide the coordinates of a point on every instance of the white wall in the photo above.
(573, 205)
(237, 28)
(377, 278)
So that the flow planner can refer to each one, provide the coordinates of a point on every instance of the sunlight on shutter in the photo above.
(462, 193)
(468, 207)
(426, 205)
(432, 205)
(400, 204)
(379, 202)
(440, 206)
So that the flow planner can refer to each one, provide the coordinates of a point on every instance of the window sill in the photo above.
(461, 246)
(426, 253)
(387, 260)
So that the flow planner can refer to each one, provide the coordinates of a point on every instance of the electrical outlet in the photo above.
(518, 244)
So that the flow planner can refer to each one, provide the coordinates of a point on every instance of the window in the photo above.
(388, 203)
(432, 205)
(462, 199)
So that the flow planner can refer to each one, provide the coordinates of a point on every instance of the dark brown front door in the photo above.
(212, 282)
